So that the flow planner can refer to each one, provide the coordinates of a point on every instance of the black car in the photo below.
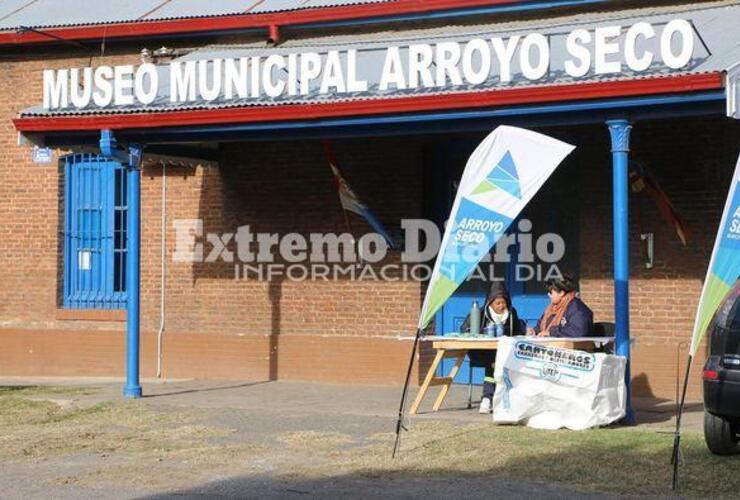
(722, 378)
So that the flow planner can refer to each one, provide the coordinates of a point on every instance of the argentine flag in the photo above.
(350, 201)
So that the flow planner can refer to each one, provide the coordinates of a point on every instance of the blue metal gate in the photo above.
(95, 225)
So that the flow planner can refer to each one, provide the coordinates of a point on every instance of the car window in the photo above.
(728, 313)
(734, 317)
(732, 338)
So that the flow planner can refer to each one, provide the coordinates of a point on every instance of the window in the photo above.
(95, 228)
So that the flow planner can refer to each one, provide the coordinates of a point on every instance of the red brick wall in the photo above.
(101, 353)
(693, 160)
(280, 187)
(219, 327)
(30, 194)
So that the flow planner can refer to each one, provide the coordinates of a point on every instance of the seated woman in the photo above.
(497, 311)
(566, 315)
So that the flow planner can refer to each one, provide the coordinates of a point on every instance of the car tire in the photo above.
(720, 435)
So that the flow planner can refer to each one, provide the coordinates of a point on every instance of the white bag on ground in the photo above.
(549, 387)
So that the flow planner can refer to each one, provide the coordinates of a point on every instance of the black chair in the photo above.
(522, 326)
(604, 329)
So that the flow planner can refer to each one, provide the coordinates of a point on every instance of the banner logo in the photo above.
(554, 358)
(550, 371)
(493, 190)
(503, 176)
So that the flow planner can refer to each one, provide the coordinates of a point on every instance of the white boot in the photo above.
(485, 405)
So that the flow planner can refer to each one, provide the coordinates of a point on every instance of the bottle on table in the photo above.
(490, 330)
(499, 329)
(475, 319)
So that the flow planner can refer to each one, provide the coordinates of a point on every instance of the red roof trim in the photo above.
(489, 98)
(143, 28)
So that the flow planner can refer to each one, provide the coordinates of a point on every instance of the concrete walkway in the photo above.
(258, 411)
(310, 398)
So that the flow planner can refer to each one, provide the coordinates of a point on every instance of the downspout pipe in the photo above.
(160, 333)
(273, 35)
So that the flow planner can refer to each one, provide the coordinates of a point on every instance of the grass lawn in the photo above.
(619, 460)
(130, 441)
(123, 441)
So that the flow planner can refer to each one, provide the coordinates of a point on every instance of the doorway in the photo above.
(540, 244)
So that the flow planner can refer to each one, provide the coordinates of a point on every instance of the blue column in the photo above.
(620, 139)
(133, 386)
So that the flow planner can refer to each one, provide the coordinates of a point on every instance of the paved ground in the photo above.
(377, 403)
(260, 410)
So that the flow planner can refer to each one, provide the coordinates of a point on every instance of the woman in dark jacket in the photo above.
(497, 311)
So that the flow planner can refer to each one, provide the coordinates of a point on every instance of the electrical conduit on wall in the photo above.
(160, 334)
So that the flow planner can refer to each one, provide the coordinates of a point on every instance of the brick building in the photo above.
(261, 163)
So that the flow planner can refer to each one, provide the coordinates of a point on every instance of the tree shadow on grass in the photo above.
(15, 388)
(45, 390)
(497, 463)
(392, 485)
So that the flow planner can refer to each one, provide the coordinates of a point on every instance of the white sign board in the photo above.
(42, 155)
(84, 260)
(733, 91)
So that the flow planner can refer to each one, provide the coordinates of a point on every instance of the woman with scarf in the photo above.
(497, 313)
(566, 315)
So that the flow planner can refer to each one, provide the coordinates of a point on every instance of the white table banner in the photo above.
(548, 387)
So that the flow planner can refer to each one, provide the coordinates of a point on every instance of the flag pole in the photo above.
(677, 436)
(404, 393)
(493, 190)
(331, 158)
(352, 235)
(723, 272)
(347, 223)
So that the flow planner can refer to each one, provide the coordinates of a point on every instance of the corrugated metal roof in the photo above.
(716, 23)
(562, 23)
(60, 13)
